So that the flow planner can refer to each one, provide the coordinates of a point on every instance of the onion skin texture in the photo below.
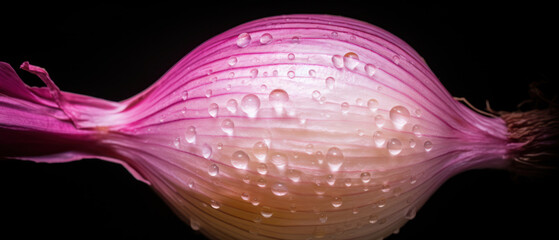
(288, 127)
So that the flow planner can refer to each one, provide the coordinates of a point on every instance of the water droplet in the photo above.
(334, 158)
(177, 142)
(245, 196)
(360, 132)
(190, 134)
(292, 208)
(381, 203)
(262, 168)
(213, 170)
(231, 75)
(184, 95)
(267, 136)
(413, 180)
(416, 129)
(322, 217)
(266, 38)
(290, 74)
(243, 40)
(215, 204)
(373, 219)
(295, 39)
(291, 56)
(279, 159)
(312, 73)
(309, 148)
(359, 102)
(253, 73)
(410, 214)
(330, 81)
(278, 98)
(379, 121)
(379, 139)
(351, 60)
(385, 188)
(315, 94)
(227, 126)
(319, 189)
(319, 157)
(213, 109)
(266, 212)
(263, 88)
(246, 179)
(337, 202)
(412, 143)
(370, 69)
(279, 189)
(355, 211)
(191, 184)
(399, 116)
(428, 146)
(255, 201)
(232, 105)
(396, 59)
(365, 177)
(294, 175)
(250, 104)
(394, 146)
(260, 151)
(194, 224)
(345, 107)
(347, 182)
(372, 104)
(232, 61)
(228, 87)
(330, 179)
(338, 61)
(418, 112)
(206, 151)
(261, 182)
(240, 160)
(208, 93)
(334, 34)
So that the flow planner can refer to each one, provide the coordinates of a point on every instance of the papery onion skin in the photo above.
(319, 139)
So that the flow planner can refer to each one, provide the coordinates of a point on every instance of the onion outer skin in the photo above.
(141, 133)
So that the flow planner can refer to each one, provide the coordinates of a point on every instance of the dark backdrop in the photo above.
(479, 51)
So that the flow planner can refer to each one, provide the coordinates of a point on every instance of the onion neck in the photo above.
(46, 124)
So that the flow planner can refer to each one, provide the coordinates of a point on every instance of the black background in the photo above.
(479, 51)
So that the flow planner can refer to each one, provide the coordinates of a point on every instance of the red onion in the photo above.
(288, 127)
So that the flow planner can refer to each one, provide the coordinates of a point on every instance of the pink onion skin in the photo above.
(478, 139)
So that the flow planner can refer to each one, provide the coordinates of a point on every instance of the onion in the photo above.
(289, 127)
